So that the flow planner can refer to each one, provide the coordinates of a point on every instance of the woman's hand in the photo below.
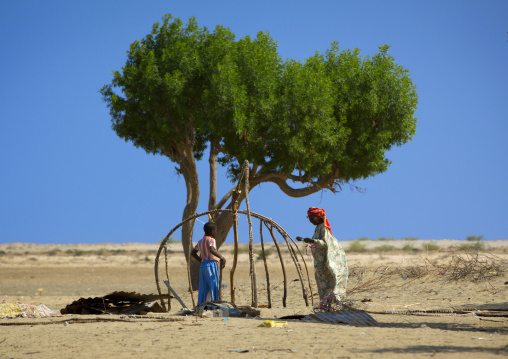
(306, 240)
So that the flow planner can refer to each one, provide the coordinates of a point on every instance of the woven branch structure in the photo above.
(269, 223)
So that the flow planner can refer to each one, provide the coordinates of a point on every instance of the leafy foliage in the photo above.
(334, 114)
(408, 247)
(356, 246)
(474, 238)
(477, 246)
(431, 246)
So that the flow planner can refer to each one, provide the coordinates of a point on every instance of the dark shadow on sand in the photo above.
(438, 349)
(456, 327)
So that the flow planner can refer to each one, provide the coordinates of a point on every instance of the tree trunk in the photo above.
(225, 221)
(212, 160)
(189, 171)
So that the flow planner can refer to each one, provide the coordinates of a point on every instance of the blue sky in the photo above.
(67, 178)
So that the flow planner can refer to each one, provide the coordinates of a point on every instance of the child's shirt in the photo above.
(204, 245)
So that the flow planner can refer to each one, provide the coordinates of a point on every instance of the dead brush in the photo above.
(411, 272)
(370, 285)
(458, 264)
(472, 265)
(356, 272)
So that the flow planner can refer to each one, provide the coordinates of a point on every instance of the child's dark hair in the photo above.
(209, 227)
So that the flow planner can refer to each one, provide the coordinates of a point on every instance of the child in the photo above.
(209, 270)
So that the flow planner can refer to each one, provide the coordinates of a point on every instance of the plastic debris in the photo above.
(22, 310)
(273, 323)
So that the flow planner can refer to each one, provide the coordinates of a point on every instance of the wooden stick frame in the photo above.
(270, 224)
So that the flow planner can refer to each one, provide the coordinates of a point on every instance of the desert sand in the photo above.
(381, 281)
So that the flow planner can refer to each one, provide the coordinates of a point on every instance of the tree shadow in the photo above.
(503, 350)
(456, 327)
(490, 306)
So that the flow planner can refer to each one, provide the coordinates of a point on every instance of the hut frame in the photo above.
(270, 224)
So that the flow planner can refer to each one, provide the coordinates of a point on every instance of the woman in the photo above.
(330, 264)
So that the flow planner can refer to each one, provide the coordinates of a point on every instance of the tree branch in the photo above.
(254, 169)
(224, 199)
(280, 179)
(212, 161)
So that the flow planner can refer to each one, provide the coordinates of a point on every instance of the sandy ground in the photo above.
(380, 281)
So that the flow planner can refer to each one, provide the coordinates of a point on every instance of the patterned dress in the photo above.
(330, 264)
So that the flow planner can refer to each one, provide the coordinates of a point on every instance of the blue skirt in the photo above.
(208, 281)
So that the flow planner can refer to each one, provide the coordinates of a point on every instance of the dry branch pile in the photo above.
(459, 264)
(469, 265)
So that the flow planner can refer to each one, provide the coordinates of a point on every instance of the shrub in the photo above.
(385, 248)
(478, 246)
(356, 246)
(102, 251)
(243, 248)
(118, 251)
(268, 251)
(172, 240)
(411, 239)
(364, 239)
(474, 238)
(409, 247)
(385, 238)
(431, 246)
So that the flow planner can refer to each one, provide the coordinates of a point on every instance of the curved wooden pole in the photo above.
(214, 211)
(161, 247)
(298, 269)
(284, 234)
(189, 276)
(266, 265)
(167, 276)
(220, 282)
(253, 276)
(306, 270)
(235, 255)
(270, 229)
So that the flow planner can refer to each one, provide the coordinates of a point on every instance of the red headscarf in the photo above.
(314, 211)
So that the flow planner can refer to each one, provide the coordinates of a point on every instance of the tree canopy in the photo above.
(303, 125)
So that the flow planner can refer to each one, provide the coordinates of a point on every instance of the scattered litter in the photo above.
(410, 305)
(22, 310)
(224, 309)
(273, 323)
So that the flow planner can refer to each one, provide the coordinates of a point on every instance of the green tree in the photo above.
(474, 238)
(305, 126)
